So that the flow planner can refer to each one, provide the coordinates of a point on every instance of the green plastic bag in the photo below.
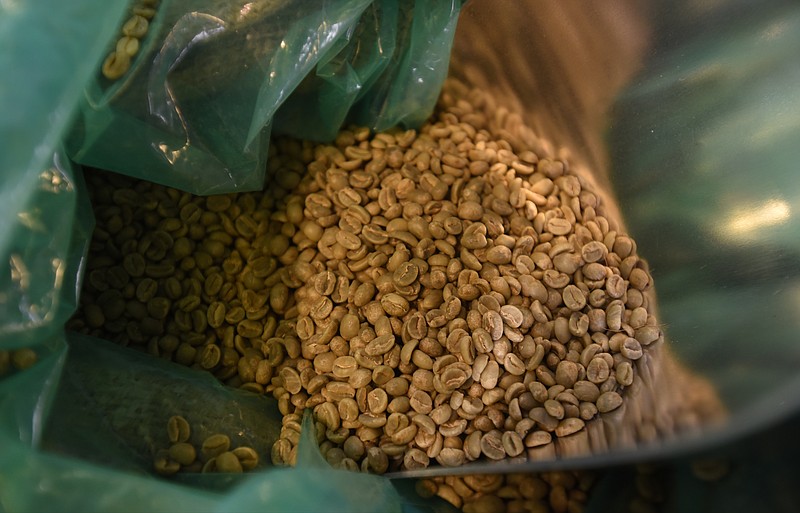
(756, 473)
(705, 152)
(196, 109)
(193, 111)
(65, 443)
(107, 420)
(37, 189)
(44, 227)
(322, 101)
(388, 72)
(47, 223)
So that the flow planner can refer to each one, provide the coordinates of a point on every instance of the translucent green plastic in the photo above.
(193, 112)
(706, 155)
(49, 49)
(78, 429)
(702, 156)
(760, 475)
(386, 72)
(322, 101)
(107, 419)
(212, 79)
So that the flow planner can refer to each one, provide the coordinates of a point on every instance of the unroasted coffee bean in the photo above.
(380, 345)
(136, 26)
(405, 274)
(24, 358)
(639, 279)
(608, 401)
(511, 315)
(247, 456)
(116, 65)
(624, 374)
(569, 426)
(567, 373)
(165, 466)
(646, 335)
(554, 408)
(344, 366)
(598, 370)
(215, 445)
(394, 305)
(538, 438)
(573, 298)
(228, 462)
(492, 445)
(631, 349)
(709, 469)
(512, 443)
(210, 356)
(441, 300)
(178, 429)
(586, 391)
(183, 453)
(377, 460)
(415, 459)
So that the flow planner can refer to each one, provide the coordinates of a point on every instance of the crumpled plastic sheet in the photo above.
(211, 80)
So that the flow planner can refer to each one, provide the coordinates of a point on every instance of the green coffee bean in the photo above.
(173, 288)
(116, 65)
(164, 466)
(185, 354)
(249, 329)
(291, 380)
(210, 356)
(94, 315)
(228, 462)
(112, 304)
(128, 46)
(608, 401)
(710, 470)
(145, 12)
(492, 445)
(569, 426)
(5, 362)
(235, 314)
(215, 445)
(216, 314)
(23, 358)
(134, 264)
(247, 456)
(281, 452)
(394, 305)
(160, 270)
(391, 282)
(624, 374)
(646, 335)
(178, 429)
(190, 213)
(146, 289)
(183, 453)
(213, 284)
(158, 307)
(377, 460)
(218, 203)
(209, 466)
(136, 26)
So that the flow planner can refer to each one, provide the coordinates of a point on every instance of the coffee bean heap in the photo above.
(448, 295)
